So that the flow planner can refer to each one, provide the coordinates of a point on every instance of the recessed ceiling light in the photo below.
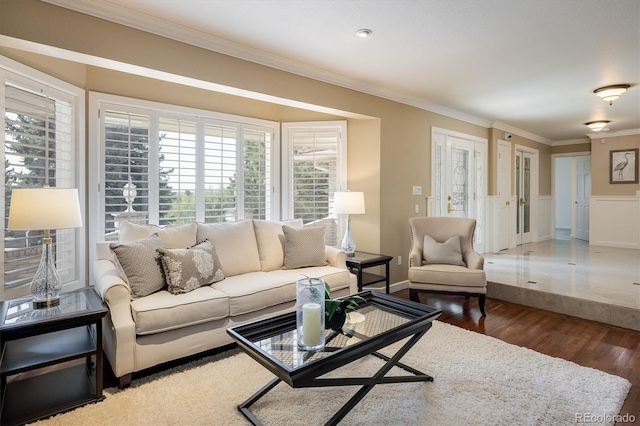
(364, 33)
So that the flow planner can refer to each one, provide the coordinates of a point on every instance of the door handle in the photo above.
(449, 209)
(508, 203)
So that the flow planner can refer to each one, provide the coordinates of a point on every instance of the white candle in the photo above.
(311, 324)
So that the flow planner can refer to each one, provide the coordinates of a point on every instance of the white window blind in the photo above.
(180, 164)
(40, 147)
(316, 163)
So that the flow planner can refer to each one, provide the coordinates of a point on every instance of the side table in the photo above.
(32, 339)
(362, 260)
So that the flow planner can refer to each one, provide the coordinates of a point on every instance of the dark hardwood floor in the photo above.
(606, 348)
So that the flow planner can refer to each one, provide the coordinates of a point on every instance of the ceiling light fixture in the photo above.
(597, 126)
(611, 93)
(364, 33)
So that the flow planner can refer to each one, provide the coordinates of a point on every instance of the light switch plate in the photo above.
(417, 190)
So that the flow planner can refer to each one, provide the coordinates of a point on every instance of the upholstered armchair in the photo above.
(442, 259)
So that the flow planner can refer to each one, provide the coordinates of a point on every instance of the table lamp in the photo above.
(45, 209)
(348, 203)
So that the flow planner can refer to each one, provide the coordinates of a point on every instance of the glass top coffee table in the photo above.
(376, 324)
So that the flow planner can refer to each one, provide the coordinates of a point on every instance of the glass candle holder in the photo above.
(310, 313)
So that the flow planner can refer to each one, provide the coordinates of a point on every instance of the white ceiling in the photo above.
(529, 65)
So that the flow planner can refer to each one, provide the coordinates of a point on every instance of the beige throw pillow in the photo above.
(303, 247)
(139, 262)
(188, 269)
(448, 252)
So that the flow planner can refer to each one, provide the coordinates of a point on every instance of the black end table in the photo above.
(31, 339)
(362, 260)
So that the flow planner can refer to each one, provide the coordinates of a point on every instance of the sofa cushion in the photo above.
(269, 237)
(163, 311)
(448, 253)
(337, 278)
(188, 269)
(140, 264)
(178, 236)
(253, 291)
(235, 243)
(303, 247)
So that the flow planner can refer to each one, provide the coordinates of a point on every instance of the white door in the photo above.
(459, 179)
(502, 228)
(524, 222)
(583, 191)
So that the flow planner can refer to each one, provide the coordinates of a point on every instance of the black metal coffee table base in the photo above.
(367, 383)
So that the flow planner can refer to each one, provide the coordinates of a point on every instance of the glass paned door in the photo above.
(524, 162)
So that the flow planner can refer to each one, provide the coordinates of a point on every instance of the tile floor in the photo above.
(570, 276)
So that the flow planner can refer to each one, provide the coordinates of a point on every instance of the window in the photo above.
(314, 156)
(166, 165)
(40, 145)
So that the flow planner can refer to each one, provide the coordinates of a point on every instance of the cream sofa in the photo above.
(142, 332)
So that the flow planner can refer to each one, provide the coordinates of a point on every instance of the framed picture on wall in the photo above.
(623, 166)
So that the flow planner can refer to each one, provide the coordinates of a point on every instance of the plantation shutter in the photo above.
(316, 166)
(39, 148)
(220, 161)
(257, 173)
(126, 166)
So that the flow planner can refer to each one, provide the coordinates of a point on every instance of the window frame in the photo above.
(96, 151)
(11, 70)
(290, 128)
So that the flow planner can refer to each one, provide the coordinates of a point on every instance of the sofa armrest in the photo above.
(336, 257)
(119, 331)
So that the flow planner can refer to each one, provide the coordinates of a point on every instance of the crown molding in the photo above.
(603, 135)
(571, 142)
(121, 15)
(528, 135)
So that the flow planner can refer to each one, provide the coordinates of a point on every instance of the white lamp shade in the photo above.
(44, 208)
(348, 203)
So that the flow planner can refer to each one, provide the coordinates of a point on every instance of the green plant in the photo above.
(331, 305)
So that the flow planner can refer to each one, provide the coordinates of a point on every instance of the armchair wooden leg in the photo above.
(481, 300)
(125, 381)
(413, 295)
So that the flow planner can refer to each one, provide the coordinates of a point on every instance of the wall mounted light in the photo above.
(611, 93)
(597, 126)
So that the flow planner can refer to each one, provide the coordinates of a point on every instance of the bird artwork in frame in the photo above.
(623, 166)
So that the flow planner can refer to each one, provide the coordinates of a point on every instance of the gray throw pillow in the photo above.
(303, 247)
(190, 268)
(448, 252)
(139, 262)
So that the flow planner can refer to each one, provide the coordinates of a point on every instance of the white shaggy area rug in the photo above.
(478, 380)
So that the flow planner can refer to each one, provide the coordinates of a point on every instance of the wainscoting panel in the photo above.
(615, 222)
(545, 214)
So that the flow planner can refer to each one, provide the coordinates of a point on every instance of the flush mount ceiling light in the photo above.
(597, 126)
(611, 93)
(364, 33)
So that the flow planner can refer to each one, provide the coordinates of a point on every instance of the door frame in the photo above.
(434, 201)
(535, 191)
(573, 189)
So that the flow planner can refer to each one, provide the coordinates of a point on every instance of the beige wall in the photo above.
(388, 152)
(600, 157)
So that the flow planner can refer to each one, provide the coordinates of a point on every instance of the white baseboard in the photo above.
(393, 287)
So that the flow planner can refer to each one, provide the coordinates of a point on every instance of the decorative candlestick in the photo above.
(310, 313)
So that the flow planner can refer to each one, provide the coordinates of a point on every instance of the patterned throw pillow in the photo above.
(188, 269)
(448, 253)
(139, 262)
(303, 247)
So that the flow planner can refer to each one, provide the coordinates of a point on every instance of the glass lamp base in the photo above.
(348, 243)
(47, 303)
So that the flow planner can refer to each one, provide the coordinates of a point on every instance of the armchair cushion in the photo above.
(448, 253)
